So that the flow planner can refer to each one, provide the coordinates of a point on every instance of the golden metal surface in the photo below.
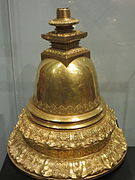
(45, 166)
(74, 88)
(66, 131)
(63, 18)
(65, 139)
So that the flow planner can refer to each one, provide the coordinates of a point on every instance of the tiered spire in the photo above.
(64, 39)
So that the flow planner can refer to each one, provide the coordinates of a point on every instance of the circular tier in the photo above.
(91, 166)
(67, 139)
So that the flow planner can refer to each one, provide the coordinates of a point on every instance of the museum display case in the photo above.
(66, 130)
(108, 47)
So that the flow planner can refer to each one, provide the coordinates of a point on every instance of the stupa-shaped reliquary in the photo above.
(66, 131)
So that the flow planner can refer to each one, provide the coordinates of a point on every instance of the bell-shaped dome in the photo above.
(66, 90)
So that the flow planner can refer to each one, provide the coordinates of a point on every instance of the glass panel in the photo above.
(110, 26)
(8, 114)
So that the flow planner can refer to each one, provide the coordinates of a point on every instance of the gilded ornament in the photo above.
(66, 131)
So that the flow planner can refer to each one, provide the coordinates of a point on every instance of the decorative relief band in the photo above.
(42, 166)
(68, 110)
(67, 153)
(65, 56)
(66, 139)
(70, 37)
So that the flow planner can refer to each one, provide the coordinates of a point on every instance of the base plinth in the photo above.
(40, 166)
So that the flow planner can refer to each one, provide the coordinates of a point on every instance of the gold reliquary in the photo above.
(66, 131)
